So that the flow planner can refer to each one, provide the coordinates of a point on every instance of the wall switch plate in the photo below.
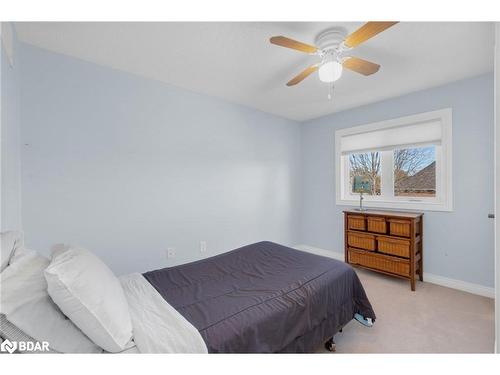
(203, 246)
(170, 252)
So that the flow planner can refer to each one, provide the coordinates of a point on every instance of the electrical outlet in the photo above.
(170, 252)
(203, 246)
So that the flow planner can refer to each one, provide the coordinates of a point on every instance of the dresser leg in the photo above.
(421, 267)
(412, 282)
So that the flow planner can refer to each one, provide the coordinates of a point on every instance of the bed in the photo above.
(264, 298)
(260, 298)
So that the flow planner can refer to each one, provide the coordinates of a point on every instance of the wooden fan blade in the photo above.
(302, 75)
(283, 41)
(365, 32)
(360, 66)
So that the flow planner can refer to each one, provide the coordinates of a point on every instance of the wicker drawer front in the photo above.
(380, 262)
(394, 246)
(399, 227)
(377, 224)
(356, 222)
(361, 241)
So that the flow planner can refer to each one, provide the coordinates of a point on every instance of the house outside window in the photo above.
(406, 162)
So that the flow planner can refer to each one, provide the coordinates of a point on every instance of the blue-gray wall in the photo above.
(11, 142)
(128, 167)
(457, 244)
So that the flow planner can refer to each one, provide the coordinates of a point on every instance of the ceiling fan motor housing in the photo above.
(331, 39)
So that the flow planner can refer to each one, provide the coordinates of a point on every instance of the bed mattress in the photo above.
(264, 298)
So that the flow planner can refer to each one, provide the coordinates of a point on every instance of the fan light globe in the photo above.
(330, 71)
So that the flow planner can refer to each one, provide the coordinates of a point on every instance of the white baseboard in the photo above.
(428, 277)
(318, 251)
(465, 286)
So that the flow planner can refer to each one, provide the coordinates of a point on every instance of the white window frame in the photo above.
(444, 187)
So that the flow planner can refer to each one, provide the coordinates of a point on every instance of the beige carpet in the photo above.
(434, 319)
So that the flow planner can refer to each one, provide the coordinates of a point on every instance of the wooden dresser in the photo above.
(385, 241)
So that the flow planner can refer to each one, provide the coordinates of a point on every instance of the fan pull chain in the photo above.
(331, 88)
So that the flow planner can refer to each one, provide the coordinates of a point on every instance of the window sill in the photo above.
(416, 206)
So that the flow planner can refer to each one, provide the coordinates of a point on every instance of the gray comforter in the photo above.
(264, 298)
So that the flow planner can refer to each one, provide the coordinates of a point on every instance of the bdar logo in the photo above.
(24, 346)
(8, 346)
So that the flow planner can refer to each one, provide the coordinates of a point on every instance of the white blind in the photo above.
(429, 132)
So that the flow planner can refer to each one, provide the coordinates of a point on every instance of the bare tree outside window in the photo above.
(366, 165)
(415, 172)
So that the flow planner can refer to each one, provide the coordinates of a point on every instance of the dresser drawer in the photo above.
(376, 224)
(400, 228)
(380, 262)
(394, 246)
(356, 222)
(361, 241)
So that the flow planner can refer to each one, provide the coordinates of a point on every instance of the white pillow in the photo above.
(26, 305)
(10, 241)
(88, 292)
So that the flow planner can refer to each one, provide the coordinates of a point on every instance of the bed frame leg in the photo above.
(330, 345)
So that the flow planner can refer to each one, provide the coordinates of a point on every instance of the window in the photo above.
(403, 163)
(415, 172)
(367, 166)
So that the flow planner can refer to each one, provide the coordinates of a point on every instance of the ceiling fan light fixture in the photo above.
(330, 71)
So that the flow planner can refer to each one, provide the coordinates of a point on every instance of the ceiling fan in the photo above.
(333, 44)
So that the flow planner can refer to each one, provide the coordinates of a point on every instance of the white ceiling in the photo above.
(236, 62)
